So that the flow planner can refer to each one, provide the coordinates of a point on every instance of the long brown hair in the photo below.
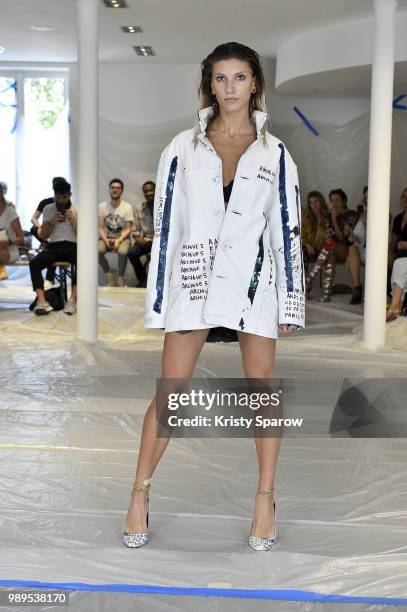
(310, 213)
(232, 50)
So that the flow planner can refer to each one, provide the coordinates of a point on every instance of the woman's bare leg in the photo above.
(396, 299)
(353, 263)
(180, 354)
(258, 358)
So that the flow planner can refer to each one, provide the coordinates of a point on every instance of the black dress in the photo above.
(223, 334)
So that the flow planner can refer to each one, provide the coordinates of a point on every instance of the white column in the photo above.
(88, 67)
(374, 330)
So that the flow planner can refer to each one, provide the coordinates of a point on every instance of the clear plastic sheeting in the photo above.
(70, 431)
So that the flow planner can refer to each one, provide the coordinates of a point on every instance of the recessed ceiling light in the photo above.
(144, 50)
(3, 49)
(131, 29)
(42, 28)
(116, 3)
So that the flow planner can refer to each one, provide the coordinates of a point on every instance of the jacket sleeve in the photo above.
(167, 234)
(284, 222)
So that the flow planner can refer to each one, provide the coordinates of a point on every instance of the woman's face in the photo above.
(315, 205)
(403, 199)
(232, 83)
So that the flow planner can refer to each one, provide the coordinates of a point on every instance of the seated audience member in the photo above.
(336, 248)
(143, 231)
(357, 250)
(59, 229)
(398, 250)
(36, 227)
(314, 223)
(11, 233)
(115, 224)
(35, 219)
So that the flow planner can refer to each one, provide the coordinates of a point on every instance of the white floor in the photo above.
(70, 430)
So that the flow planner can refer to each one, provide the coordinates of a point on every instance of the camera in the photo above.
(62, 207)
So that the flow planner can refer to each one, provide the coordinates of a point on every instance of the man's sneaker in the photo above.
(42, 307)
(110, 279)
(70, 307)
(120, 281)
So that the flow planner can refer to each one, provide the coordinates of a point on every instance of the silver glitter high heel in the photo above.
(264, 543)
(135, 540)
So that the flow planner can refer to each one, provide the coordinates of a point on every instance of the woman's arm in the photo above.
(169, 202)
(285, 237)
(19, 239)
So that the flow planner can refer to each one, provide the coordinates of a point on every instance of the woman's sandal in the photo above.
(264, 543)
(135, 540)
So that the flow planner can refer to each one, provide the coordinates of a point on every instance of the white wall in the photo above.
(332, 110)
(131, 93)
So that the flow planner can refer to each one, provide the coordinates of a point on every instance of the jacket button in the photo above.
(219, 213)
(216, 179)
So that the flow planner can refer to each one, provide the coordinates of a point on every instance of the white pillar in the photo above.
(88, 67)
(374, 329)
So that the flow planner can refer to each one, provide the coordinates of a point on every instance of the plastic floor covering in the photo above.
(71, 419)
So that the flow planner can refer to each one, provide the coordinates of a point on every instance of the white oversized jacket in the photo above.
(241, 268)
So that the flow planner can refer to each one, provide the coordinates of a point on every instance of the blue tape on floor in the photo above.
(277, 594)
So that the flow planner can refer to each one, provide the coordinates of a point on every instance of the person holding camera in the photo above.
(59, 228)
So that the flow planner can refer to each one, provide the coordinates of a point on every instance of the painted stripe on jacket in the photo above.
(297, 195)
(254, 281)
(285, 222)
(165, 229)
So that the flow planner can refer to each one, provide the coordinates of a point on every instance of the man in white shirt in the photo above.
(115, 224)
(59, 228)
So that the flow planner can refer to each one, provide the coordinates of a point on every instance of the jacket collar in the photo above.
(258, 117)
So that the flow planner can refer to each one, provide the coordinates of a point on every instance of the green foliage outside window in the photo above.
(48, 98)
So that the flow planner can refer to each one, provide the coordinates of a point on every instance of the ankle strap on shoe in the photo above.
(141, 487)
(263, 492)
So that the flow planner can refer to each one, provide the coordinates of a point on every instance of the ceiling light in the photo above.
(131, 29)
(42, 28)
(116, 3)
(3, 49)
(144, 51)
